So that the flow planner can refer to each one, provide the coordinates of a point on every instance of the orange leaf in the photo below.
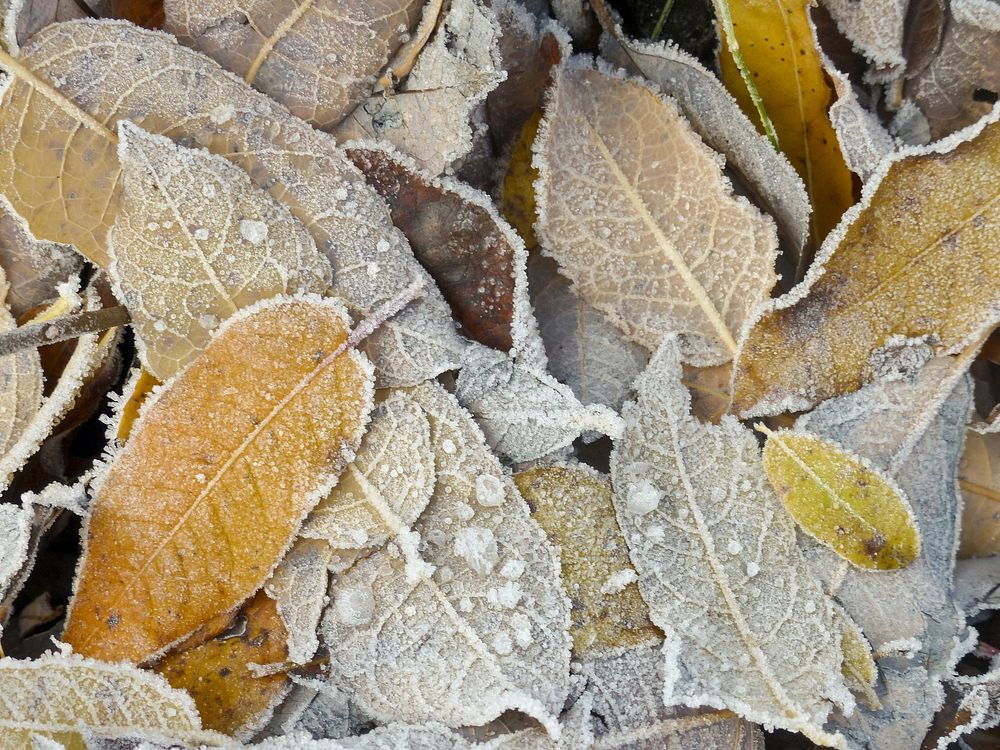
(217, 476)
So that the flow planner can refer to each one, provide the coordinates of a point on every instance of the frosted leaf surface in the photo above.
(21, 375)
(914, 603)
(594, 358)
(317, 57)
(747, 627)
(19, 19)
(864, 143)
(388, 484)
(715, 115)
(524, 412)
(979, 705)
(73, 192)
(15, 538)
(65, 698)
(875, 29)
(636, 211)
(298, 586)
(976, 584)
(454, 643)
(193, 242)
(428, 116)
(858, 667)
(33, 268)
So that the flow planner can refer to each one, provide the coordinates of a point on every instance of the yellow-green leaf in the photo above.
(841, 500)
(858, 667)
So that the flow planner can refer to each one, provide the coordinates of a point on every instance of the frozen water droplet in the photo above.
(752, 569)
(254, 232)
(478, 547)
(522, 629)
(448, 447)
(221, 114)
(643, 498)
(734, 547)
(355, 605)
(200, 234)
(208, 190)
(502, 644)
(208, 322)
(618, 581)
(512, 569)
(159, 326)
(810, 607)
(464, 511)
(489, 491)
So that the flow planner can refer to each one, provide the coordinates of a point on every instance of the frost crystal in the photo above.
(478, 548)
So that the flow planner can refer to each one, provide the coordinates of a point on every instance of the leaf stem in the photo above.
(66, 327)
(658, 28)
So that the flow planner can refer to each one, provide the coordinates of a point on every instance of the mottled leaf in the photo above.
(979, 478)
(747, 627)
(635, 210)
(914, 259)
(466, 618)
(193, 242)
(275, 396)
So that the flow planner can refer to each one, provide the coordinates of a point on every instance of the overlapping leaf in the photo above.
(298, 587)
(21, 375)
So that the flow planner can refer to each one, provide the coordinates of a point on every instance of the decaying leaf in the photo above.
(777, 45)
(858, 667)
(21, 375)
(386, 487)
(193, 242)
(19, 19)
(525, 412)
(635, 210)
(298, 587)
(978, 708)
(842, 501)
(747, 627)
(875, 29)
(517, 196)
(72, 192)
(217, 674)
(268, 401)
(913, 260)
(428, 116)
(584, 350)
(465, 618)
(64, 698)
(573, 506)
(979, 478)
(317, 57)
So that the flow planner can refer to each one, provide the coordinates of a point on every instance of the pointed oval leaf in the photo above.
(842, 500)
(216, 478)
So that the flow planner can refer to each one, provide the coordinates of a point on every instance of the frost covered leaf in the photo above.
(584, 350)
(33, 268)
(16, 538)
(841, 500)
(465, 617)
(231, 456)
(21, 375)
(976, 584)
(747, 628)
(524, 412)
(914, 259)
(635, 210)
(217, 674)
(979, 478)
(72, 192)
(388, 484)
(875, 29)
(454, 231)
(298, 586)
(65, 698)
(573, 506)
(19, 19)
(317, 57)
(718, 119)
(949, 90)
(428, 116)
(193, 242)
(864, 141)
(858, 667)
(978, 707)
(778, 47)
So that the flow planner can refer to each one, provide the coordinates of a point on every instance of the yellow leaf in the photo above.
(216, 674)
(517, 199)
(918, 258)
(776, 42)
(573, 506)
(979, 478)
(840, 500)
(140, 386)
(217, 476)
(858, 667)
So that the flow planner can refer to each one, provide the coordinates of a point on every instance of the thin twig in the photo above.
(63, 328)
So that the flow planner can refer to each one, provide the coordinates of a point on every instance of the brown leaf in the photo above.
(979, 478)
(19, 19)
(145, 13)
(199, 506)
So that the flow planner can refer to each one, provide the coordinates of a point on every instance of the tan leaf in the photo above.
(65, 697)
(913, 260)
(298, 587)
(465, 618)
(979, 478)
(317, 57)
(639, 217)
(271, 399)
(747, 627)
(19, 19)
(573, 506)
(21, 374)
(194, 237)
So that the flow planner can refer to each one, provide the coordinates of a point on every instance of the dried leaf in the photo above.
(134, 394)
(211, 454)
(16, 526)
(217, 674)
(747, 628)
(864, 142)
(858, 667)
(950, 90)
(978, 708)
(709, 388)
(72, 193)
(875, 29)
(427, 117)
(145, 13)
(908, 262)
(466, 618)
(65, 698)
(841, 500)
(193, 242)
(638, 215)
(386, 487)
(298, 587)
(778, 46)
(524, 412)
(584, 350)
(517, 198)
(573, 506)
(979, 478)
(19, 19)
(976, 587)
(317, 57)
(21, 374)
